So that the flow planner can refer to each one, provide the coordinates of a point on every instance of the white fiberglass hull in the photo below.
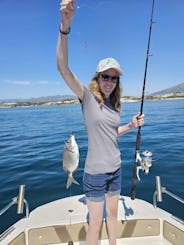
(65, 220)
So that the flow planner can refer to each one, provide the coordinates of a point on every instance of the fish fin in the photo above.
(75, 181)
(71, 180)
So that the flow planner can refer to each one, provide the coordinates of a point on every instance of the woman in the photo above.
(101, 111)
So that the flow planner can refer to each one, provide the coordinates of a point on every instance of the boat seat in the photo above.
(77, 232)
(19, 240)
(172, 233)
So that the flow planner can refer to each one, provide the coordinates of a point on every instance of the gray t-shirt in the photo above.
(102, 124)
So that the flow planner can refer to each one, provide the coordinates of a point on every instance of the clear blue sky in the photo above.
(117, 28)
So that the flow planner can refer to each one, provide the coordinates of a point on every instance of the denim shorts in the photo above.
(96, 186)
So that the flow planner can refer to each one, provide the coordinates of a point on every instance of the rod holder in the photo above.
(158, 189)
(20, 199)
(157, 195)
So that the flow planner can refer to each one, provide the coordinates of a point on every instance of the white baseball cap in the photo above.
(108, 63)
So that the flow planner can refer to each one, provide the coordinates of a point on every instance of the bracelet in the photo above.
(64, 32)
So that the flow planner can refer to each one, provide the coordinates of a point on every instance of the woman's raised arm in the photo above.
(67, 13)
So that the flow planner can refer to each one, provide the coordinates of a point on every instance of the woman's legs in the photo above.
(112, 212)
(95, 221)
(95, 187)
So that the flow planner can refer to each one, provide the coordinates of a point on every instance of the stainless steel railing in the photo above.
(20, 201)
(157, 196)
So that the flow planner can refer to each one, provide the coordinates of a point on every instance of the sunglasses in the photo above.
(107, 78)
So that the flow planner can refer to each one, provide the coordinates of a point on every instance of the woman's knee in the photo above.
(112, 206)
(95, 226)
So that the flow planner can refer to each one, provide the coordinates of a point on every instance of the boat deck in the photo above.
(65, 220)
(135, 241)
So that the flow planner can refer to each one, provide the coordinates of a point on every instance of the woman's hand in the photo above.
(137, 120)
(67, 13)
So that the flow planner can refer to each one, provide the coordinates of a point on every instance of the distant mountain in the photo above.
(172, 90)
(44, 99)
(57, 98)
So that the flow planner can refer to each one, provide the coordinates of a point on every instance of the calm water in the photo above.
(31, 145)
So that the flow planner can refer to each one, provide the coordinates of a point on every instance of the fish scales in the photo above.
(70, 159)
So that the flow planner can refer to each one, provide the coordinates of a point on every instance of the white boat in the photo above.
(65, 221)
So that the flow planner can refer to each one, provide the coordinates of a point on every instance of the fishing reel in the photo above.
(145, 160)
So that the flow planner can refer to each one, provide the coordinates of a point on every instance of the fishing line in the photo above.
(94, 6)
(91, 7)
(138, 139)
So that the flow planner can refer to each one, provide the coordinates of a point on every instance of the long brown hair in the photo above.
(114, 97)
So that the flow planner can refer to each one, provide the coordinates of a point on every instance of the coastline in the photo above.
(124, 99)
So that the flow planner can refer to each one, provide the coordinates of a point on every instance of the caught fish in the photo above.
(70, 159)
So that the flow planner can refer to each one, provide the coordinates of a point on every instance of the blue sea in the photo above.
(31, 146)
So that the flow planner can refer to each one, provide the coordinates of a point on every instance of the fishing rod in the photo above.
(147, 155)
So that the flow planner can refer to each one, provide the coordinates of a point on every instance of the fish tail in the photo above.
(71, 180)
